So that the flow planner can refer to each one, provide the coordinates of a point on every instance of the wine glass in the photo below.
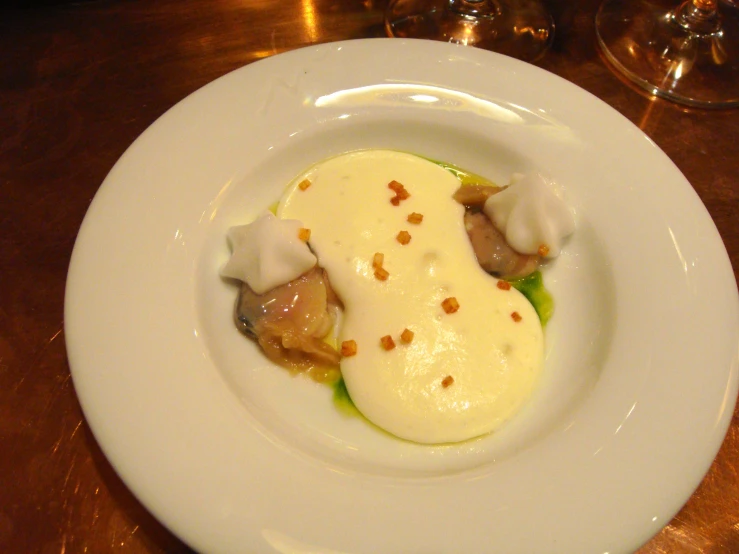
(687, 52)
(522, 29)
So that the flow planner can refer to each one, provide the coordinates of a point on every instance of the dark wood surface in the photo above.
(78, 83)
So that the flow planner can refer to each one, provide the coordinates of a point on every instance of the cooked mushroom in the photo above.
(474, 196)
(493, 252)
(290, 321)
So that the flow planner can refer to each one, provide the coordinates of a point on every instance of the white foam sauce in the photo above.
(267, 253)
(530, 214)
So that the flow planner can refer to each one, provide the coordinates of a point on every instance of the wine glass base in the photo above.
(520, 29)
(646, 42)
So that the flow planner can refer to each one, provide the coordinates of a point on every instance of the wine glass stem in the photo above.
(698, 16)
(474, 8)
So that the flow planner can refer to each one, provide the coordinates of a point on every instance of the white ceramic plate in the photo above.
(234, 455)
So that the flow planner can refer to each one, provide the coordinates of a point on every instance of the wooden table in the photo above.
(78, 83)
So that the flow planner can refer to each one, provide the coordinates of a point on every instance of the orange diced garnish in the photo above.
(450, 305)
(448, 380)
(387, 342)
(400, 192)
(304, 234)
(406, 336)
(503, 285)
(304, 184)
(381, 274)
(348, 348)
(395, 186)
(415, 218)
(404, 237)
(377, 260)
(516, 317)
(543, 250)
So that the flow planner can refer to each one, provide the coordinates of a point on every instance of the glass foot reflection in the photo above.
(688, 53)
(521, 29)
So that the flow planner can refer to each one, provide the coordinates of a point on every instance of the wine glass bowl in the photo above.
(522, 29)
(687, 52)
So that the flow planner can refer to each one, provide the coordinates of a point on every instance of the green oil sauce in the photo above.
(344, 404)
(342, 400)
(532, 287)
